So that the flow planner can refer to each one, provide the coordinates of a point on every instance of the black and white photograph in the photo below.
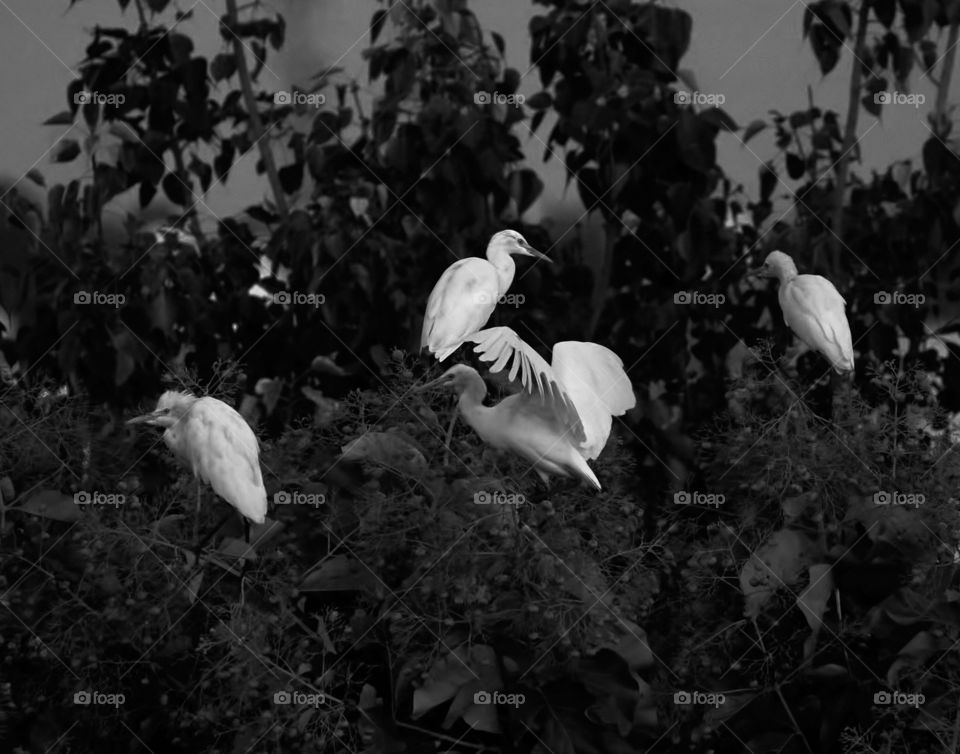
(479, 376)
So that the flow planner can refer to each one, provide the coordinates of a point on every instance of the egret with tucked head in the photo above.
(219, 447)
(562, 416)
(813, 309)
(467, 293)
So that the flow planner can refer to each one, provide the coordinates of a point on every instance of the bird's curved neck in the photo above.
(504, 265)
(471, 401)
(786, 273)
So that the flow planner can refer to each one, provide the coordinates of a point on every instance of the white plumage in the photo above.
(467, 293)
(562, 416)
(814, 309)
(217, 444)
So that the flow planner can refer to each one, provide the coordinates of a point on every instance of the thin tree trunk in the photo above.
(256, 124)
(602, 284)
(849, 139)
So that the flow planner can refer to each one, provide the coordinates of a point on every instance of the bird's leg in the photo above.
(206, 540)
(196, 518)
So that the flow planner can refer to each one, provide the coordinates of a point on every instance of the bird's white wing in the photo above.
(501, 345)
(593, 377)
(460, 304)
(814, 309)
(224, 452)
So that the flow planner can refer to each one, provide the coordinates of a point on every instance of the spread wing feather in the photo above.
(593, 378)
(501, 345)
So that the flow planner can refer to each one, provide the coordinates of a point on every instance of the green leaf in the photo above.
(539, 101)
(753, 129)
(174, 189)
(394, 450)
(223, 66)
(376, 25)
(340, 573)
(536, 120)
(776, 564)
(885, 10)
(65, 150)
(498, 41)
(871, 105)
(795, 166)
(291, 177)
(525, 188)
(825, 48)
(813, 600)
(719, 118)
(768, 181)
(51, 504)
(146, 193)
(64, 118)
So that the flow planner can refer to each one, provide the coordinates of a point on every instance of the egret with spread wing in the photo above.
(813, 309)
(562, 416)
(467, 293)
(217, 444)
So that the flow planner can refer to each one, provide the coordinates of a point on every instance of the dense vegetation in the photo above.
(804, 598)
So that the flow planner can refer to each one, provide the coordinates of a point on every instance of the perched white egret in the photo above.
(813, 308)
(562, 416)
(217, 444)
(467, 293)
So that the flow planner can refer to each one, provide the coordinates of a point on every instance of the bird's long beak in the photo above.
(429, 385)
(145, 419)
(529, 251)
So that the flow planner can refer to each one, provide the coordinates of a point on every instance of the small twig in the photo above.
(442, 737)
(793, 720)
(184, 177)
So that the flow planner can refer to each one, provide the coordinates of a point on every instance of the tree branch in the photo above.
(256, 124)
(849, 139)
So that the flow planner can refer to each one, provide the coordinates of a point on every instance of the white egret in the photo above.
(467, 293)
(813, 309)
(217, 444)
(562, 416)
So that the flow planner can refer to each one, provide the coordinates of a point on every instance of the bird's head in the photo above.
(171, 407)
(459, 377)
(511, 242)
(776, 265)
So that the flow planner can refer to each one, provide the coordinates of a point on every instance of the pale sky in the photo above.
(750, 51)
